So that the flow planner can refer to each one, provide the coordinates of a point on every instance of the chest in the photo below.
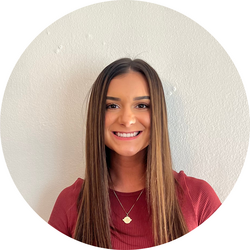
(137, 233)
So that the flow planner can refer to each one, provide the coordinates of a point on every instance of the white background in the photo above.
(22, 22)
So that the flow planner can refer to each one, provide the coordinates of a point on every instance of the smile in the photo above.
(127, 135)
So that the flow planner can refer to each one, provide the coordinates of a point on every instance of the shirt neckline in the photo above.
(126, 193)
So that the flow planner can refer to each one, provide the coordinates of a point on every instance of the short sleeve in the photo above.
(64, 213)
(204, 199)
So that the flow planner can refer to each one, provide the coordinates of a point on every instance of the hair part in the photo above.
(94, 222)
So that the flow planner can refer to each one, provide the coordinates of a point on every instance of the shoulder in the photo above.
(193, 185)
(68, 196)
(200, 194)
(64, 213)
(72, 191)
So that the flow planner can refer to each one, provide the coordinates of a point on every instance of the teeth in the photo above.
(127, 134)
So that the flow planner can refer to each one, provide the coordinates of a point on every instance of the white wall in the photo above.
(42, 122)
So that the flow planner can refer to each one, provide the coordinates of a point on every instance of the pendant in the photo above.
(127, 219)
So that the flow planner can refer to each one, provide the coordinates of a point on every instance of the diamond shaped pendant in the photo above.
(127, 219)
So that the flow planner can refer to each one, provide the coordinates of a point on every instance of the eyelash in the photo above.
(108, 106)
(146, 106)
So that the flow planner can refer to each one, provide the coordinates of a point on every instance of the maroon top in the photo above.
(199, 202)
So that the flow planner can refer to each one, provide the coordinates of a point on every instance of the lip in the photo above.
(126, 138)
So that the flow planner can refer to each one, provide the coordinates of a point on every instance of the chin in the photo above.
(125, 153)
(128, 152)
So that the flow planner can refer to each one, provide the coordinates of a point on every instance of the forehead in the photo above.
(131, 83)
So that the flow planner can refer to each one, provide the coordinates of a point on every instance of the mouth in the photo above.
(127, 135)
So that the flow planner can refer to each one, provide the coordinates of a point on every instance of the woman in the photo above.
(130, 197)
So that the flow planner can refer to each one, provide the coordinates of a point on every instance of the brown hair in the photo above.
(93, 223)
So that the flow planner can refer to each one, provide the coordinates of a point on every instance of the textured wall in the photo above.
(43, 112)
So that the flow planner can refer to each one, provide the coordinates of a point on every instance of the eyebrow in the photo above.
(135, 99)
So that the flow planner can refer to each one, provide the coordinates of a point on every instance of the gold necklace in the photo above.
(127, 219)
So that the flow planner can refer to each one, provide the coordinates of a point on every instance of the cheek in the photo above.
(106, 125)
(147, 121)
(148, 126)
(108, 120)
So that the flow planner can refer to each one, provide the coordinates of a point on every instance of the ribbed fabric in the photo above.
(136, 234)
(198, 202)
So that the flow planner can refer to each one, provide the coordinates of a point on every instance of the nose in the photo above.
(127, 117)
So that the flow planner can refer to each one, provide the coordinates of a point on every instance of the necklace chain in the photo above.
(127, 219)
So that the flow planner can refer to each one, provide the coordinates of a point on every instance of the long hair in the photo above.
(93, 223)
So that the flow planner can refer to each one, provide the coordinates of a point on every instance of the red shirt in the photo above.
(199, 202)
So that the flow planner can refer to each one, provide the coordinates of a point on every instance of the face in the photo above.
(127, 119)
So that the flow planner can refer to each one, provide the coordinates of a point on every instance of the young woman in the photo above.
(130, 197)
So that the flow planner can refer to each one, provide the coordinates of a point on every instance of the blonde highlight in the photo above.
(94, 222)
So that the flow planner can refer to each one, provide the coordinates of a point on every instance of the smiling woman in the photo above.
(130, 198)
(127, 120)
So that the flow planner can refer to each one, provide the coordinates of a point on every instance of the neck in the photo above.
(128, 173)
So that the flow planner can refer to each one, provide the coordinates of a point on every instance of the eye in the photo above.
(142, 106)
(112, 106)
